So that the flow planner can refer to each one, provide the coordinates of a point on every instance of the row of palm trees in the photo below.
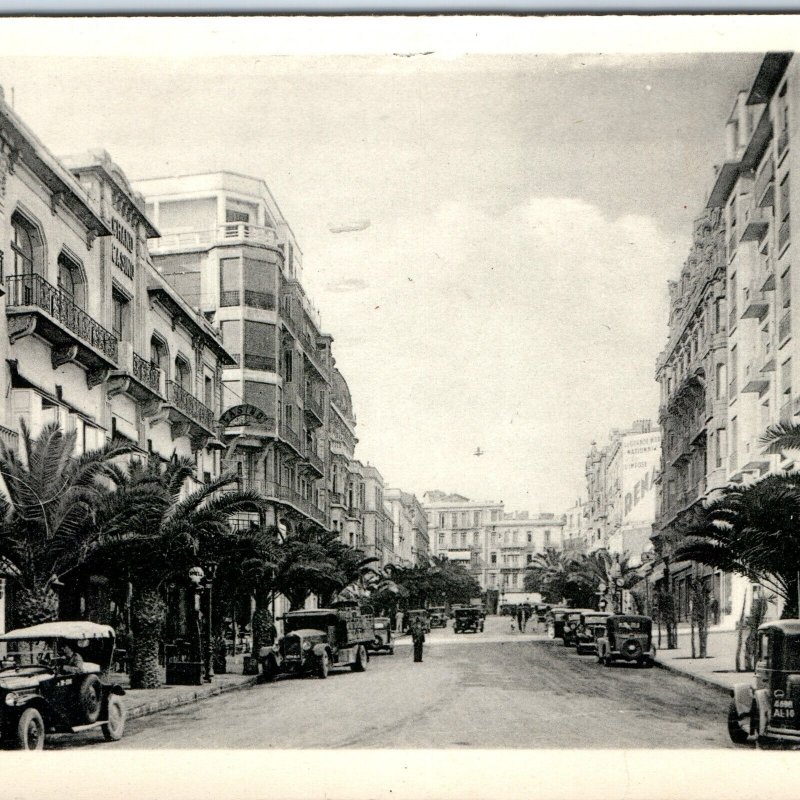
(132, 520)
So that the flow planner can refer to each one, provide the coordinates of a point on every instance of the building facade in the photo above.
(729, 369)
(576, 528)
(411, 542)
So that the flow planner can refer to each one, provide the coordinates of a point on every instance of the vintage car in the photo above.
(768, 710)
(468, 618)
(627, 637)
(438, 616)
(592, 626)
(382, 643)
(421, 614)
(571, 620)
(316, 640)
(554, 621)
(40, 693)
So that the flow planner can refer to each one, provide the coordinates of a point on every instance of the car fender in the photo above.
(761, 697)
(742, 694)
(320, 649)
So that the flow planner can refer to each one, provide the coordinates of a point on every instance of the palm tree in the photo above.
(47, 517)
(557, 576)
(753, 530)
(609, 569)
(150, 531)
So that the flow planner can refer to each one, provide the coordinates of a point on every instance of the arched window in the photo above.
(26, 244)
(158, 354)
(70, 280)
(182, 373)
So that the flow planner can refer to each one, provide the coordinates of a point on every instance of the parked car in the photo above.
(468, 619)
(571, 622)
(627, 637)
(592, 626)
(769, 708)
(318, 639)
(40, 693)
(438, 616)
(382, 642)
(554, 621)
(421, 614)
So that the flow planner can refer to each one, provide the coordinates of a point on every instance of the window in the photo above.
(208, 392)
(258, 286)
(183, 373)
(463, 539)
(70, 280)
(530, 537)
(229, 281)
(476, 539)
(784, 197)
(441, 520)
(441, 540)
(26, 246)
(720, 380)
(158, 353)
(477, 518)
(547, 538)
(287, 415)
(259, 346)
(261, 395)
(530, 557)
(288, 366)
(232, 215)
(732, 289)
(232, 338)
(120, 310)
(493, 558)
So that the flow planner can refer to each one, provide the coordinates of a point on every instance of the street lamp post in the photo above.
(208, 656)
(196, 576)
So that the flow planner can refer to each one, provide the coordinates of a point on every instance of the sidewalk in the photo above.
(717, 670)
(142, 702)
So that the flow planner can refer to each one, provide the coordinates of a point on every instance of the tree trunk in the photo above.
(740, 626)
(262, 620)
(148, 611)
(35, 606)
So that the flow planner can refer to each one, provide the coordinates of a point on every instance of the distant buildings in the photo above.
(495, 546)
(620, 476)
(575, 528)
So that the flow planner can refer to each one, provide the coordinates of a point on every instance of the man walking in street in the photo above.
(398, 622)
(418, 637)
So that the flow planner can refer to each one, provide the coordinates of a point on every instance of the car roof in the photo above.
(784, 625)
(616, 617)
(61, 630)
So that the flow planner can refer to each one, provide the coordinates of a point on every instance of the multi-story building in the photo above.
(226, 247)
(729, 368)
(512, 542)
(377, 523)
(410, 527)
(619, 478)
(575, 528)
(83, 304)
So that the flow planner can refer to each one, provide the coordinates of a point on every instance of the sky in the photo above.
(526, 212)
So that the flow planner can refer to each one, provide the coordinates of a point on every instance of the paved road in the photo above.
(495, 689)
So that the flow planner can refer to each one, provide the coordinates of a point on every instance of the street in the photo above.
(497, 689)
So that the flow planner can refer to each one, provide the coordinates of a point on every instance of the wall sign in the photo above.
(122, 248)
(245, 415)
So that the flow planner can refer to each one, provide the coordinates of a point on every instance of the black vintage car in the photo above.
(468, 618)
(438, 616)
(420, 614)
(571, 620)
(628, 638)
(591, 627)
(318, 639)
(554, 621)
(41, 692)
(382, 641)
(768, 710)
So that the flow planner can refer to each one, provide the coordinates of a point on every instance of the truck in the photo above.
(316, 640)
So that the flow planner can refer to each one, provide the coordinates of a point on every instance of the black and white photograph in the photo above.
(406, 393)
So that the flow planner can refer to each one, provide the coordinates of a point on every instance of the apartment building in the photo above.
(82, 304)
(729, 369)
(226, 247)
(411, 542)
(377, 522)
(575, 527)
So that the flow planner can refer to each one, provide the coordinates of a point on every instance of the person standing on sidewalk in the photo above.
(398, 622)
(418, 637)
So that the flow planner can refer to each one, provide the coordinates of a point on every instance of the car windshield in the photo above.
(791, 653)
(26, 653)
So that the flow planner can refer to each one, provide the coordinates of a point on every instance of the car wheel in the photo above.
(360, 664)
(30, 730)
(391, 651)
(90, 698)
(735, 730)
(115, 726)
(323, 666)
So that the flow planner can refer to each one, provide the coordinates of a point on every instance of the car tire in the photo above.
(323, 666)
(114, 726)
(30, 730)
(90, 698)
(391, 651)
(360, 664)
(735, 731)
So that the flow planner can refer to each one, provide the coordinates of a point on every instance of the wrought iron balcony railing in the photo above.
(149, 374)
(34, 291)
(190, 405)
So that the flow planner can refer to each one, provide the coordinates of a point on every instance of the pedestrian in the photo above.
(418, 637)
(520, 613)
(398, 622)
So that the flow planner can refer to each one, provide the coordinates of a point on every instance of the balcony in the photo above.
(754, 457)
(756, 223)
(187, 415)
(9, 438)
(315, 416)
(34, 305)
(785, 327)
(135, 377)
(316, 463)
(783, 235)
(290, 437)
(284, 495)
(230, 233)
(754, 379)
(765, 185)
(755, 304)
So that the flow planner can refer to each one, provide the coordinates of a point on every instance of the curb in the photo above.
(696, 678)
(187, 698)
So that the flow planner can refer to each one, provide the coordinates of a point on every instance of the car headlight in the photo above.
(306, 645)
(11, 698)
